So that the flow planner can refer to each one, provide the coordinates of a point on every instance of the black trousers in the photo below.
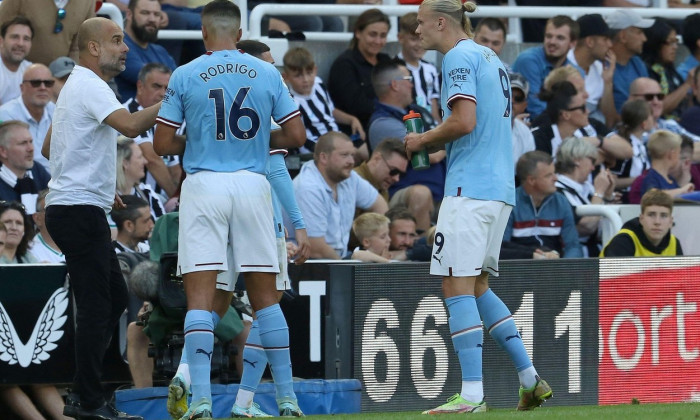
(82, 233)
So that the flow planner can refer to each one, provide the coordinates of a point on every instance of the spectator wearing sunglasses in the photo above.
(21, 178)
(650, 91)
(33, 107)
(523, 140)
(328, 192)
(15, 43)
(55, 28)
(384, 168)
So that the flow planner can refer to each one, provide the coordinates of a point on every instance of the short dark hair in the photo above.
(527, 164)
(367, 18)
(133, 3)
(150, 67)
(23, 245)
(558, 99)
(400, 213)
(130, 212)
(382, 68)
(561, 20)
(326, 143)
(17, 20)
(493, 24)
(221, 9)
(253, 47)
(391, 145)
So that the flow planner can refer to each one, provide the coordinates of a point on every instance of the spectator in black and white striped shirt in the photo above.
(426, 80)
(317, 109)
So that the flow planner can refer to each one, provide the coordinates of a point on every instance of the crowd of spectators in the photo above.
(600, 112)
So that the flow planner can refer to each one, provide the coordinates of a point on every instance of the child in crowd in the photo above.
(372, 231)
(636, 119)
(317, 110)
(664, 150)
(426, 83)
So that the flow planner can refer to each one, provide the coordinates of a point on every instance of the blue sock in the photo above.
(467, 335)
(215, 318)
(199, 345)
(254, 360)
(500, 324)
(274, 336)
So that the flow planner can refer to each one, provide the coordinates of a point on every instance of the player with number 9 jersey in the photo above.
(478, 164)
(225, 97)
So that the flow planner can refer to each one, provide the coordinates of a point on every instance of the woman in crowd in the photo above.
(131, 168)
(575, 161)
(350, 77)
(636, 118)
(659, 54)
(18, 233)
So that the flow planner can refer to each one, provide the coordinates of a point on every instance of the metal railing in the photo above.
(611, 222)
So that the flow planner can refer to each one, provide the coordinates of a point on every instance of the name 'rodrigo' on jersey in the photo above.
(227, 98)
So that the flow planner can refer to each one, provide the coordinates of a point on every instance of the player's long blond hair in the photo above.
(454, 9)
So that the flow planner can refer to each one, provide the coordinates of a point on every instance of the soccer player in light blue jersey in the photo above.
(228, 98)
(479, 195)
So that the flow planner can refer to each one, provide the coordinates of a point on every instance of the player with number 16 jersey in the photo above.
(226, 128)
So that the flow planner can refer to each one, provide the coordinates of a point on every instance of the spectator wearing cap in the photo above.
(691, 36)
(593, 56)
(523, 140)
(60, 70)
(33, 107)
(535, 63)
(626, 30)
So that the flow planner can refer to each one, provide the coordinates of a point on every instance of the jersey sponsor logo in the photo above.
(46, 332)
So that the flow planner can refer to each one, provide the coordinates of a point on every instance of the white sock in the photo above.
(473, 391)
(244, 398)
(184, 369)
(528, 377)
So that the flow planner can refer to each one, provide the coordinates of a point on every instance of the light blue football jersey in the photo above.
(479, 164)
(227, 98)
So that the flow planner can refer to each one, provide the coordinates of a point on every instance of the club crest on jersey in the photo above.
(47, 331)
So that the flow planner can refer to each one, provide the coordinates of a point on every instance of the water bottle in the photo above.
(414, 124)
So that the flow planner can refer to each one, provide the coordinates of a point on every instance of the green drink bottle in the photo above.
(414, 124)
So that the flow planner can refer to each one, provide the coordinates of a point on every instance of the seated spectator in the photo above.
(20, 178)
(690, 119)
(134, 225)
(350, 76)
(687, 171)
(659, 54)
(566, 109)
(628, 39)
(308, 22)
(43, 246)
(593, 56)
(60, 70)
(328, 191)
(392, 82)
(611, 146)
(140, 34)
(541, 223)
(164, 172)
(17, 226)
(55, 28)
(405, 242)
(16, 34)
(372, 231)
(636, 119)
(523, 140)
(383, 169)
(664, 151)
(690, 34)
(648, 235)
(491, 32)
(33, 107)
(576, 160)
(426, 79)
(131, 167)
(561, 32)
(317, 109)
(650, 90)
